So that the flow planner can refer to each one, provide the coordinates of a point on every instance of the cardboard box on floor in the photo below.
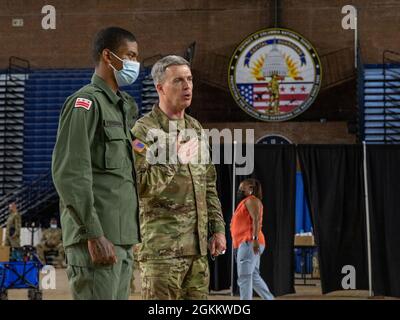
(304, 241)
(4, 253)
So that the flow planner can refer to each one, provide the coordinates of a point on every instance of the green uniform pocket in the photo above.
(78, 256)
(157, 281)
(116, 155)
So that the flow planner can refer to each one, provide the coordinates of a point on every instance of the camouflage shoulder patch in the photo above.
(138, 146)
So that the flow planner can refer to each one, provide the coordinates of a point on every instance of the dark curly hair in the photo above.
(110, 38)
(256, 186)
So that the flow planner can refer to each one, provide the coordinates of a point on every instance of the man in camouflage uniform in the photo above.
(179, 205)
(52, 241)
(135, 266)
(13, 227)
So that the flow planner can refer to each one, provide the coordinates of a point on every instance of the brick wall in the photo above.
(169, 26)
(296, 132)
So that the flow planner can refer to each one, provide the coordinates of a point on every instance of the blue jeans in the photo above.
(248, 269)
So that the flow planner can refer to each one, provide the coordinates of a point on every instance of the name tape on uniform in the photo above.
(83, 103)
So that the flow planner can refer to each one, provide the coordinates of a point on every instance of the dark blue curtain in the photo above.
(384, 195)
(333, 179)
(275, 167)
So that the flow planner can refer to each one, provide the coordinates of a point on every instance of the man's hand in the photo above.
(187, 150)
(101, 251)
(217, 244)
(256, 247)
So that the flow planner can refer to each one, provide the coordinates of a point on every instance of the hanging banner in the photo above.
(274, 74)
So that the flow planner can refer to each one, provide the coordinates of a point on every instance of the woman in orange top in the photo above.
(249, 241)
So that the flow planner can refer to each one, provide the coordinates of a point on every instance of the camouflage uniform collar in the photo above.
(99, 82)
(164, 120)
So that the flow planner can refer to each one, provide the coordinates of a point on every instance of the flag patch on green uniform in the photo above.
(138, 145)
(83, 103)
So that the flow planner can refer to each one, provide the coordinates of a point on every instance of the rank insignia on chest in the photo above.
(83, 103)
(138, 145)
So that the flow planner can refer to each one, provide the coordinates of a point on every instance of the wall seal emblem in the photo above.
(274, 74)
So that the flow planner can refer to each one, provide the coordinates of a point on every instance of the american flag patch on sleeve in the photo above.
(138, 145)
(83, 103)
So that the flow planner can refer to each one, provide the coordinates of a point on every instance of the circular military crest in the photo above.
(273, 139)
(274, 74)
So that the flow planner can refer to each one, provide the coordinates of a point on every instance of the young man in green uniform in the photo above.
(93, 172)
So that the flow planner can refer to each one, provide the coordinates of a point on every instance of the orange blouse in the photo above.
(242, 225)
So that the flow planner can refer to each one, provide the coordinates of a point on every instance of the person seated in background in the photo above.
(13, 227)
(52, 241)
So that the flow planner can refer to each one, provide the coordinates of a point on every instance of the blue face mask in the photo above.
(129, 72)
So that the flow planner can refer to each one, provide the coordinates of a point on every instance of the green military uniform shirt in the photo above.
(179, 205)
(92, 166)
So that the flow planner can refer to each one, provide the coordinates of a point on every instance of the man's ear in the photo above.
(159, 88)
(106, 56)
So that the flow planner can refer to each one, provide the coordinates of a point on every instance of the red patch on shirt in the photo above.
(83, 103)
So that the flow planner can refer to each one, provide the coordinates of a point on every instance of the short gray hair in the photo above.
(158, 70)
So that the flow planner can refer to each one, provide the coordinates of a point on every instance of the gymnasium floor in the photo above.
(302, 292)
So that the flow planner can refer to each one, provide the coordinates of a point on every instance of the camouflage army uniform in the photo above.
(179, 209)
(13, 230)
(135, 266)
(51, 240)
